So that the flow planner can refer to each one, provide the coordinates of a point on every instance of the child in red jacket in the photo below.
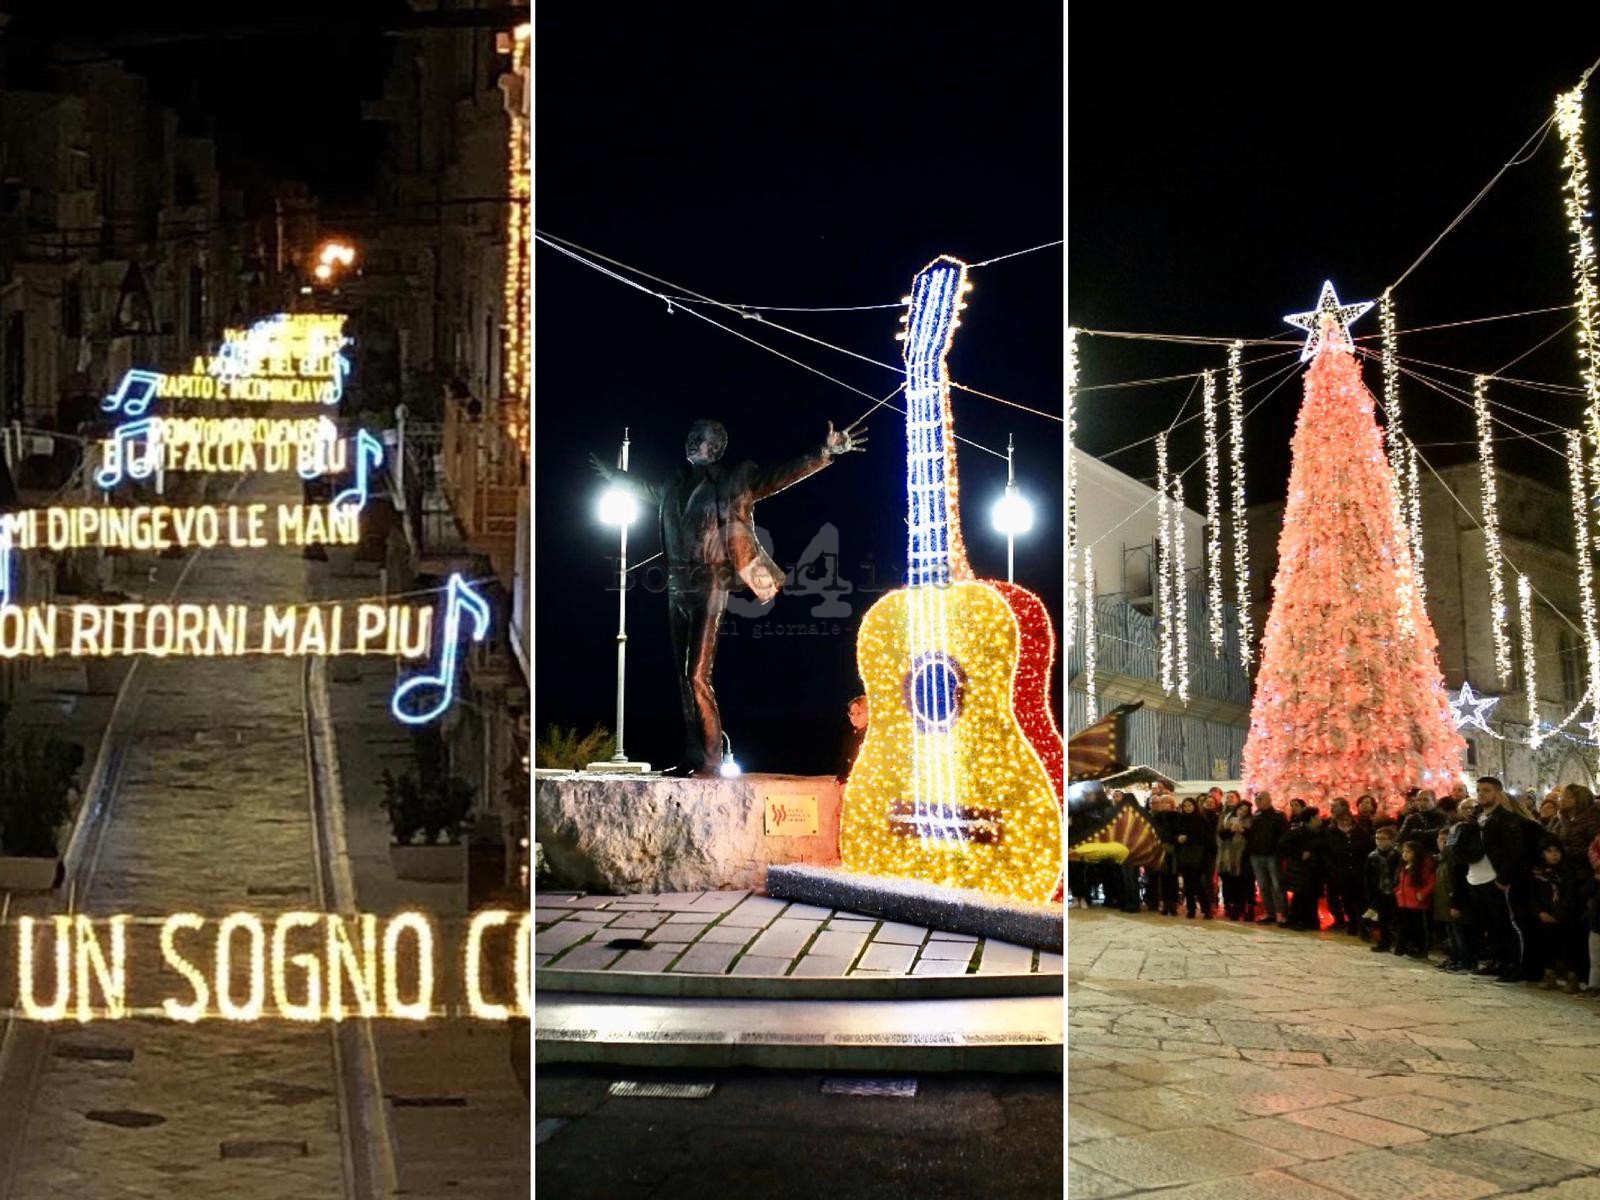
(1413, 897)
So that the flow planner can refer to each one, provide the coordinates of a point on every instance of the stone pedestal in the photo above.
(620, 833)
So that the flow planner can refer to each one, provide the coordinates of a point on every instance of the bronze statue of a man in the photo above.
(709, 541)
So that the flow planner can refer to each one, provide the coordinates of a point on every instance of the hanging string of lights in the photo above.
(1091, 636)
(1164, 562)
(1071, 485)
(1580, 529)
(1414, 521)
(1241, 546)
(1530, 675)
(1213, 517)
(1180, 587)
(1490, 497)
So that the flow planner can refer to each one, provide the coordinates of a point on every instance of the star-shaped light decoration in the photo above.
(1471, 710)
(1313, 322)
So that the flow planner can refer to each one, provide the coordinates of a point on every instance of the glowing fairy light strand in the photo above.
(1580, 527)
(1072, 479)
(1241, 547)
(1213, 518)
(1090, 638)
(1530, 682)
(1575, 205)
(1164, 563)
(1393, 431)
(1491, 528)
(1180, 587)
(1414, 521)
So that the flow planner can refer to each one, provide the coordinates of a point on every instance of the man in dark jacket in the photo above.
(1422, 819)
(1497, 879)
(1261, 844)
(1382, 873)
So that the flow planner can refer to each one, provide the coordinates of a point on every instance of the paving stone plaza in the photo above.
(1214, 1061)
(734, 932)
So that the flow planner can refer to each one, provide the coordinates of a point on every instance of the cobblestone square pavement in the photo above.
(1214, 1061)
(738, 933)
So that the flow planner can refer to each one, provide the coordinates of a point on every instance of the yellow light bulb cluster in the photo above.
(1241, 533)
(982, 760)
(519, 244)
(1213, 516)
(1490, 496)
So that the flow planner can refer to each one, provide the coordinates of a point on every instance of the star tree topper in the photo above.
(1316, 322)
(1472, 710)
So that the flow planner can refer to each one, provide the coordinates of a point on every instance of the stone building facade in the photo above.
(1198, 740)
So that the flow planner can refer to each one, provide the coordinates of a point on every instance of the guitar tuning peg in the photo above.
(899, 337)
(905, 299)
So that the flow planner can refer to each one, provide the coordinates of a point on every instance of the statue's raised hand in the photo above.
(601, 468)
(843, 441)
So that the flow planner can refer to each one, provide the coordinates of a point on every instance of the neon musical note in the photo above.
(368, 450)
(122, 458)
(315, 458)
(460, 596)
(133, 394)
(5, 567)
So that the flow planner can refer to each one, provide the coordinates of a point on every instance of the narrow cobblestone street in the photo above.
(1215, 1061)
(210, 816)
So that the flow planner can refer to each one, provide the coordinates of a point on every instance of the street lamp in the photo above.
(730, 768)
(1012, 514)
(620, 507)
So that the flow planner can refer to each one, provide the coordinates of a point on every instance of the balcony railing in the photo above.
(458, 483)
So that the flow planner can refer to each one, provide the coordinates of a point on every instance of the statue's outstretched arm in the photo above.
(765, 481)
(647, 493)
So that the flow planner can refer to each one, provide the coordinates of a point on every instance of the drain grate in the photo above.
(629, 944)
(662, 1091)
(903, 1089)
(266, 1149)
(82, 1052)
(428, 1101)
(126, 1118)
(786, 1039)
(895, 1039)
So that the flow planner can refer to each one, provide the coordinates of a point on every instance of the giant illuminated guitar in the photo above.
(959, 779)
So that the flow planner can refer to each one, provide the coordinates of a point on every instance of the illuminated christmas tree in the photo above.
(1349, 698)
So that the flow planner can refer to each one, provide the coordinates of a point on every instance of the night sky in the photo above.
(282, 84)
(818, 161)
(1214, 181)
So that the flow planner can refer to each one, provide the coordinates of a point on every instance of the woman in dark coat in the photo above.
(1305, 866)
(1165, 877)
(1194, 842)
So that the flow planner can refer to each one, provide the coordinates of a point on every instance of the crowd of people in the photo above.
(1493, 886)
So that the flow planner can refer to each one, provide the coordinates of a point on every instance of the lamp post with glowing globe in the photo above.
(619, 506)
(1012, 514)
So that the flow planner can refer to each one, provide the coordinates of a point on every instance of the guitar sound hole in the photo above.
(933, 691)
